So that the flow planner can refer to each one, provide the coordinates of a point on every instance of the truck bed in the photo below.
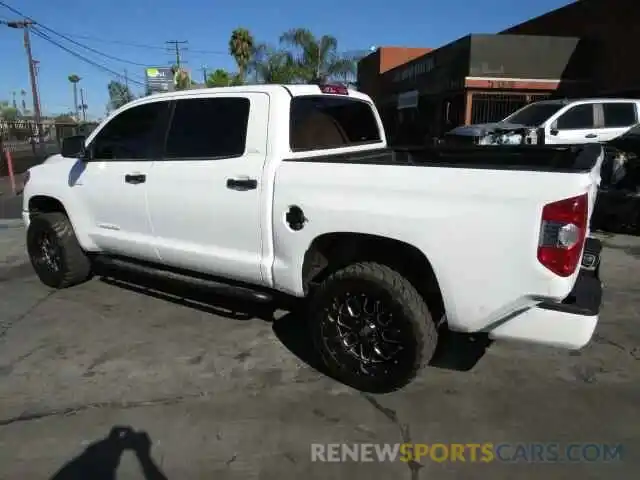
(564, 159)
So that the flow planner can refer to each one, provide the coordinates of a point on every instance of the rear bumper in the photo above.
(568, 324)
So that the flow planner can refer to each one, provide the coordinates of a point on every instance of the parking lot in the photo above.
(228, 391)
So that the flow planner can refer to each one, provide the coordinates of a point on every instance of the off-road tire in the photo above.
(75, 266)
(406, 300)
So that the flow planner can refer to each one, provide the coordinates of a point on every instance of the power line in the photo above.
(44, 36)
(103, 40)
(139, 45)
(97, 52)
(50, 30)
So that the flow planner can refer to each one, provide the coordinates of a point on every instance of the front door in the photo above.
(111, 183)
(207, 201)
(575, 126)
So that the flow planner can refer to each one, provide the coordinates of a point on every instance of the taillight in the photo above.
(334, 89)
(562, 234)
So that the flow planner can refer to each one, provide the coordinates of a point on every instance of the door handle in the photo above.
(135, 178)
(242, 184)
(591, 135)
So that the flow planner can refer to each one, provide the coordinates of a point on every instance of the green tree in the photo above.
(241, 48)
(7, 112)
(74, 79)
(219, 78)
(270, 65)
(119, 95)
(317, 57)
(65, 119)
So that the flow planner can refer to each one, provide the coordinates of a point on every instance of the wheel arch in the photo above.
(332, 251)
(47, 203)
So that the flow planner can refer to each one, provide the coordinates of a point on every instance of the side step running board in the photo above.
(221, 288)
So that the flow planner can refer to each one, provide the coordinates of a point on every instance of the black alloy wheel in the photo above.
(372, 328)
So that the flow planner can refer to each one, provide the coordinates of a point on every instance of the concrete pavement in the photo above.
(10, 204)
(224, 391)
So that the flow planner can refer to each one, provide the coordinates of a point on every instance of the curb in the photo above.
(6, 223)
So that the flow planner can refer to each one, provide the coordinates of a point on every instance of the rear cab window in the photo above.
(321, 122)
(619, 114)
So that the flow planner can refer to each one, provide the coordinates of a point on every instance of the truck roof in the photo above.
(567, 101)
(293, 90)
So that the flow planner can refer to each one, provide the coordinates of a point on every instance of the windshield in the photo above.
(533, 115)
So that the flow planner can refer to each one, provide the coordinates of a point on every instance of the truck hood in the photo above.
(482, 129)
(57, 158)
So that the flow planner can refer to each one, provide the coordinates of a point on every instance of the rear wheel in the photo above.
(372, 328)
(54, 251)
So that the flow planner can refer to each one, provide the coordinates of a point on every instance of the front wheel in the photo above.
(54, 251)
(372, 328)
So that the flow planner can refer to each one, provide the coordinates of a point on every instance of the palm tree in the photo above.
(270, 65)
(241, 47)
(74, 79)
(317, 58)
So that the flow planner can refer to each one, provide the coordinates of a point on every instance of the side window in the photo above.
(322, 122)
(208, 127)
(132, 134)
(619, 114)
(576, 118)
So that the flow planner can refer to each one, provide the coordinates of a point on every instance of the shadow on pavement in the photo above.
(460, 352)
(101, 459)
(293, 332)
(456, 351)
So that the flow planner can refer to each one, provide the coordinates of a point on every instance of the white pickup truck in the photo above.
(259, 190)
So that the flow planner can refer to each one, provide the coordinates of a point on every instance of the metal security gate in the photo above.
(493, 107)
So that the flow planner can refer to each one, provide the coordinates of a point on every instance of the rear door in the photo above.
(575, 126)
(617, 118)
(205, 192)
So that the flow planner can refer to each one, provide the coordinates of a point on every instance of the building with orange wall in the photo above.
(583, 49)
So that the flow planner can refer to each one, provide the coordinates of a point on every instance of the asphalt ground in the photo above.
(230, 391)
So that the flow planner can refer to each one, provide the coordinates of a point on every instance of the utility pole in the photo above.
(24, 25)
(36, 65)
(204, 74)
(83, 105)
(126, 78)
(176, 49)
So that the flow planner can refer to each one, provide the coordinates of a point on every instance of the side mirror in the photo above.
(73, 147)
(554, 129)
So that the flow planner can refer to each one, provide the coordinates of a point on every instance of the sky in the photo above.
(207, 25)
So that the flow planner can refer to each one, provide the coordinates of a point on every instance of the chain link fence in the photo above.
(30, 143)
